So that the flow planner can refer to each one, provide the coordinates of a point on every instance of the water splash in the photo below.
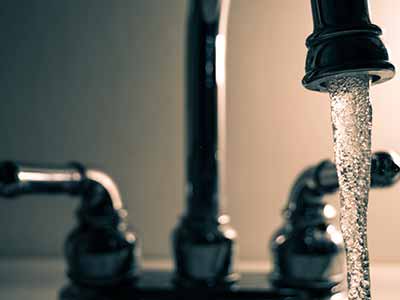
(352, 122)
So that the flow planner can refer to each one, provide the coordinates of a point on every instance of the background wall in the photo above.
(101, 82)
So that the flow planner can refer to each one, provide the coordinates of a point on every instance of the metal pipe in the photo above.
(205, 106)
(20, 179)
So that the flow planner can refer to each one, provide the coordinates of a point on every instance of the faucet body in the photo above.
(203, 241)
(202, 110)
(203, 98)
(307, 241)
(100, 251)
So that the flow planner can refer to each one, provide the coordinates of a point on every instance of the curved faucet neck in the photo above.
(101, 200)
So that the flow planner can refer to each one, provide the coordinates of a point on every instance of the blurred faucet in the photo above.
(100, 252)
(307, 250)
(203, 241)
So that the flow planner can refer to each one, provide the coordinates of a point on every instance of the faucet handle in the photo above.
(307, 240)
(100, 251)
(385, 169)
(18, 178)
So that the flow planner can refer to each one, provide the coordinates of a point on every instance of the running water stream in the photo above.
(352, 121)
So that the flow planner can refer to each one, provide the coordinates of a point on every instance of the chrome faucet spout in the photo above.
(203, 242)
(205, 106)
(344, 41)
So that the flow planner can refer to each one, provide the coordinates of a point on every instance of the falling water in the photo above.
(352, 121)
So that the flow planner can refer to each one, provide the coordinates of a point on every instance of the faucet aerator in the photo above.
(344, 41)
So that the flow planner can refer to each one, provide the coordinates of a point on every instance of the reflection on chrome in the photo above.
(47, 175)
(19, 178)
(108, 184)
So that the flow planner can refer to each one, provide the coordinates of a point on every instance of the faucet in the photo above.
(345, 46)
(307, 241)
(203, 241)
(344, 41)
(100, 251)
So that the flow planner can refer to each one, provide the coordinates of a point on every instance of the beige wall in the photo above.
(102, 82)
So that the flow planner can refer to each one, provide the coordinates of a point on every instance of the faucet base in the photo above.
(159, 285)
(190, 283)
(204, 251)
(319, 286)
